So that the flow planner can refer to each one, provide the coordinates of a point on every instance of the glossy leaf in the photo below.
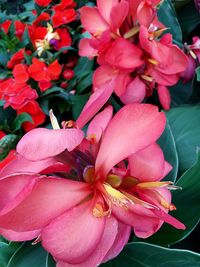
(19, 120)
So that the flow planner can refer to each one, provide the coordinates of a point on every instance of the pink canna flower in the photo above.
(78, 196)
(131, 49)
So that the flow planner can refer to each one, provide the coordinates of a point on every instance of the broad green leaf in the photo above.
(50, 261)
(167, 15)
(180, 93)
(6, 252)
(19, 120)
(84, 83)
(146, 255)
(168, 146)
(198, 74)
(189, 18)
(188, 209)
(78, 102)
(185, 125)
(84, 64)
(29, 256)
(180, 3)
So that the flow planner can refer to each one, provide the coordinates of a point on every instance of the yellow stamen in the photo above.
(147, 78)
(147, 185)
(132, 32)
(192, 54)
(116, 196)
(159, 32)
(53, 120)
(92, 138)
(99, 212)
(153, 61)
(114, 180)
(89, 174)
(139, 201)
(129, 181)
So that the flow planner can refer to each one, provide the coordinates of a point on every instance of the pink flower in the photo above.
(77, 195)
(126, 38)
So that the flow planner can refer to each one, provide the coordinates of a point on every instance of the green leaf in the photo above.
(19, 120)
(180, 93)
(198, 74)
(188, 209)
(147, 255)
(54, 89)
(50, 261)
(168, 146)
(167, 15)
(84, 83)
(78, 102)
(7, 143)
(6, 252)
(84, 65)
(29, 255)
(185, 126)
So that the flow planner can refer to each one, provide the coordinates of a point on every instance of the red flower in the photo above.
(2, 134)
(17, 58)
(39, 71)
(65, 39)
(19, 29)
(64, 4)
(43, 3)
(68, 74)
(20, 73)
(42, 17)
(15, 94)
(36, 33)
(38, 116)
(5, 26)
(11, 156)
(63, 17)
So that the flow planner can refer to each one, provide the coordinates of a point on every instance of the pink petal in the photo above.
(74, 235)
(19, 236)
(103, 74)
(105, 6)
(99, 123)
(124, 55)
(147, 164)
(167, 169)
(164, 96)
(135, 92)
(92, 20)
(48, 199)
(14, 188)
(143, 220)
(118, 14)
(145, 14)
(121, 240)
(169, 219)
(22, 165)
(42, 143)
(107, 239)
(95, 103)
(134, 127)
(85, 49)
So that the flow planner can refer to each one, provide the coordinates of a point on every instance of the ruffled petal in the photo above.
(43, 143)
(99, 124)
(48, 199)
(92, 20)
(147, 164)
(133, 128)
(74, 235)
(95, 103)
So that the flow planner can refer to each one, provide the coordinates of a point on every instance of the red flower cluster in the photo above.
(132, 50)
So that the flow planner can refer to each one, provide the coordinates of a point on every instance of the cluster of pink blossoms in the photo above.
(128, 40)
